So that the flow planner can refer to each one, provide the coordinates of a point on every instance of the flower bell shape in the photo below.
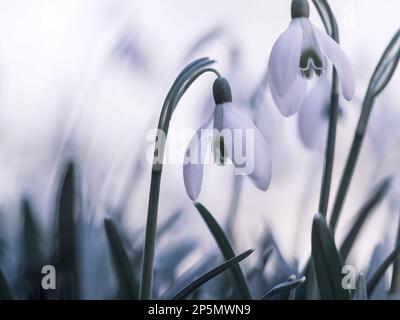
(314, 116)
(299, 54)
(233, 137)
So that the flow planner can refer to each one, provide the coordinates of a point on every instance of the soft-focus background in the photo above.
(85, 80)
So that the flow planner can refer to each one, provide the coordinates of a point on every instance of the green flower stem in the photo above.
(379, 80)
(332, 29)
(330, 148)
(181, 84)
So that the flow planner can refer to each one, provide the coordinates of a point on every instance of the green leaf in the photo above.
(123, 269)
(395, 286)
(66, 252)
(6, 292)
(364, 213)
(327, 262)
(211, 274)
(226, 250)
(185, 279)
(361, 290)
(377, 276)
(32, 257)
(285, 288)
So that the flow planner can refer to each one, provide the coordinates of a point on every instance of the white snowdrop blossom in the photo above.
(300, 53)
(314, 116)
(227, 131)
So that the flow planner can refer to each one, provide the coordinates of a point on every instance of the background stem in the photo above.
(181, 84)
(330, 148)
(332, 29)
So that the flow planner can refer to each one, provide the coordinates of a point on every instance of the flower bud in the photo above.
(222, 91)
(300, 9)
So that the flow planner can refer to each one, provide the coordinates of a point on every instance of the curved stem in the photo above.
(181, 84)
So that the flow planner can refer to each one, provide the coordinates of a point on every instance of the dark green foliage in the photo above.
(32, 258)
(128, 284)
(327, 262)
(66, 254)
(285, 290)
(226, 249)
(211, 274)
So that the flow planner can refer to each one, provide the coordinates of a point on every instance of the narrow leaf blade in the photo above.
(211, 274)
(361, 290)
(6, 292)
(327, 262)
(122, 266)
(377, 276)
(226, 250)
(363, 215)
(284, 288)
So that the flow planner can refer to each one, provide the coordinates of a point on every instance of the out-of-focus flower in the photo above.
(314, 115)
(229, 131)
(299, 53)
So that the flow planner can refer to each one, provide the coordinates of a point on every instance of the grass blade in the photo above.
(327, 262)
(184, 280)
(123, 269)
(66, 254)
(32, 257)
(211, 274)
(361, 290)
(377, 276)
(395, 286)
(6, 292)
(363, 215)
(226, 250)
(284, 288)
(374, 89)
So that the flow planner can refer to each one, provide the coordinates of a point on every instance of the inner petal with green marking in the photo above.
(310, 63)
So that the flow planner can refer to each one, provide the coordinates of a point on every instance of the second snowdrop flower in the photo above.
(300, 53)
(227, 131)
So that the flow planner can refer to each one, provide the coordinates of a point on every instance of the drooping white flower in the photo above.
(227, 130)
(301, 52)
(314, 116)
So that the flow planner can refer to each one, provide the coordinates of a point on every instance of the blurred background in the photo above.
(84, 81)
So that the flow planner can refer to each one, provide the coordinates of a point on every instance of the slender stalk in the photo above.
(330, 148)
(384, 71)
(332, 29)
(181, 84)
(395, 286)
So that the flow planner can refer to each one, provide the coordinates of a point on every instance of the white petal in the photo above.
(283, 65)
(292, 101)
(257, 163)
(313, 121)
(340, 61)
(194, 159)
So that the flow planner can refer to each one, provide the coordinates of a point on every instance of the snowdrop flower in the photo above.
(227, 131)
(314, 116)
(301, 52)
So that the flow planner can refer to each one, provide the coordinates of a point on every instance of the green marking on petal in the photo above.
(310, 63)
